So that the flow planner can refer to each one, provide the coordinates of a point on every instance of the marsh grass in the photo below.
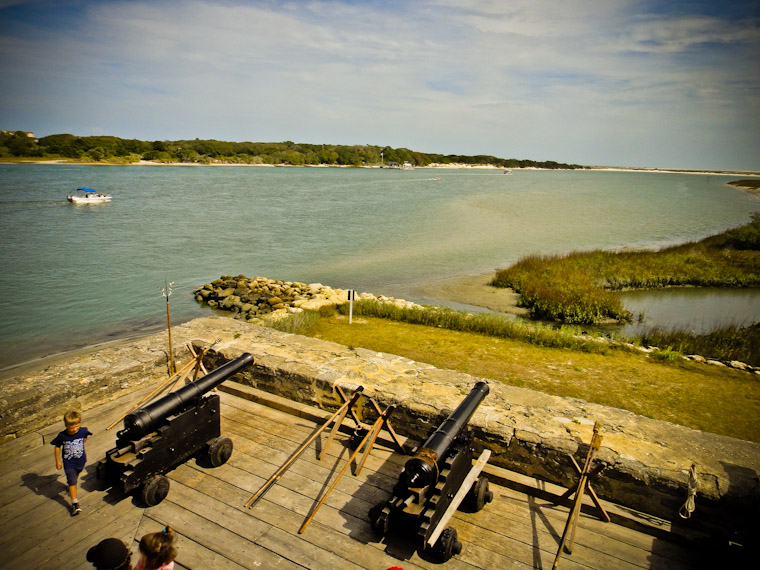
(725, 344)
(487, 324)
(579, 287)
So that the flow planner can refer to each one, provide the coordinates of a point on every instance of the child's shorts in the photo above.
(71, 476)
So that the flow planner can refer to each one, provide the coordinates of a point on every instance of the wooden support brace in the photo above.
(351, 411)
(568, 534)
(390, 429)
(374, 432)
(347, 407)
(371, 434)
(198, 361)
(297, 453)
(602, 513)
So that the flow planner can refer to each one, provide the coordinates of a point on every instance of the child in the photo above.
(110, 554)
(157, 551)
(72, 441)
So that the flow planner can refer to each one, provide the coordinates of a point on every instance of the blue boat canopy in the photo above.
(86, 189)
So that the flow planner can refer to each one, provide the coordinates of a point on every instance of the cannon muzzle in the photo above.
(423, 468)
(149, 418)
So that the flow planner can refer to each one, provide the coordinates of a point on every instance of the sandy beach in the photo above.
(447, 166)
(475, 290)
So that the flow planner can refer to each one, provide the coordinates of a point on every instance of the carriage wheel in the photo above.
(380, 519)
(219, 451)
(155, 490)
(447, 545)
(479, 495)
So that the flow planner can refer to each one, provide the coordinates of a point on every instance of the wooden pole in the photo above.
(371, 434)
(372, 437)
(572, 520)
(167, 292)
(338, 421)
(464, 488)
(277, 474)
(182, 372)
(172, 367)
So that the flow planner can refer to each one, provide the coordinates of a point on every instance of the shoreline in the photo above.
(472, 290)
(453, 166)
(40, 363)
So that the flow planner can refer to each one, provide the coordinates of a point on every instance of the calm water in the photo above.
(74, 275)
(698, 310)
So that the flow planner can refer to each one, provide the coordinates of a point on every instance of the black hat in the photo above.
(108, 553)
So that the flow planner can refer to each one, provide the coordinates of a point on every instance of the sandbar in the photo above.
(475, 290)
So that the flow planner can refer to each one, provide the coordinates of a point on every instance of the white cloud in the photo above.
(576, 81)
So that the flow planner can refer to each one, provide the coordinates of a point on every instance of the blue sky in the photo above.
(670, 84)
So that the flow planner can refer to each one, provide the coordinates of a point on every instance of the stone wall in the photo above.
(647, 461)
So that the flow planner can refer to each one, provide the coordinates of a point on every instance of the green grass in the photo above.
(488, 324)
(703, 397)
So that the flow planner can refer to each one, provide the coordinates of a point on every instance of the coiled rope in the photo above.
(691, 491)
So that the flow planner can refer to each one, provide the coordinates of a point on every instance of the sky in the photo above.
(665, 83)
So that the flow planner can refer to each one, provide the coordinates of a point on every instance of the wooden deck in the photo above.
(206, 508)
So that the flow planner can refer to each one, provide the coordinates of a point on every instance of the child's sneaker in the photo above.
(75, 509)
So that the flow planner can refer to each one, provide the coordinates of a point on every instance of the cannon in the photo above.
(163, 434)
(435, 482)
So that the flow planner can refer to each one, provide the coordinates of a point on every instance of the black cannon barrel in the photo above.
(422, 469)
(149, 418)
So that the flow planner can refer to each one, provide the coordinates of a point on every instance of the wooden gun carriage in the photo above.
(163, 434)
(435, 482)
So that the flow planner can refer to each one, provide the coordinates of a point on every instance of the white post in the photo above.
(351, 294)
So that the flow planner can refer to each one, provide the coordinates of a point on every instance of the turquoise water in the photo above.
(74, 275)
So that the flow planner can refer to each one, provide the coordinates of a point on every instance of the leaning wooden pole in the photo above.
(341, 412)
(371, 436)
(572, 519)
(184, 371)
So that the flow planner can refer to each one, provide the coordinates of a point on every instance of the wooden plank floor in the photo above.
(215, 529)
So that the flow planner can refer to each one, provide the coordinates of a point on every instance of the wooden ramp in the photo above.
(206, 507)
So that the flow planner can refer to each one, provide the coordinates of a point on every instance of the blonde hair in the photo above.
(72, 417)
(158, 548)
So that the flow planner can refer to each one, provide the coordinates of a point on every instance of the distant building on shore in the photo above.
(27, 133)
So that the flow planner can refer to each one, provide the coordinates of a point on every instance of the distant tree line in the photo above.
(21, 144)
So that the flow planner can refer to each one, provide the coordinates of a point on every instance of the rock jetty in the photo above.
(258, 298)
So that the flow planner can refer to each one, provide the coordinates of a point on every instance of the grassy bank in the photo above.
(724, 344)
(703, 397)
(579, 287)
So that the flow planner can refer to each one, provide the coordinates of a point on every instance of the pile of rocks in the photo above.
(251, 299)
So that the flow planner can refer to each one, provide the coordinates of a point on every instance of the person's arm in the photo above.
(58, 464)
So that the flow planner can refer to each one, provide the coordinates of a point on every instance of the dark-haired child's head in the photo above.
(110, 554)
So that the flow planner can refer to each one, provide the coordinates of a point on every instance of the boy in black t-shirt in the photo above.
(71, 440)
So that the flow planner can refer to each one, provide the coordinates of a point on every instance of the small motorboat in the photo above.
(88, 196)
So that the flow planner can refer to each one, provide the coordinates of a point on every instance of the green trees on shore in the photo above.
(21, 145)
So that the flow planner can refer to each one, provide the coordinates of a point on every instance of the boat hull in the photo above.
(89, 200)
